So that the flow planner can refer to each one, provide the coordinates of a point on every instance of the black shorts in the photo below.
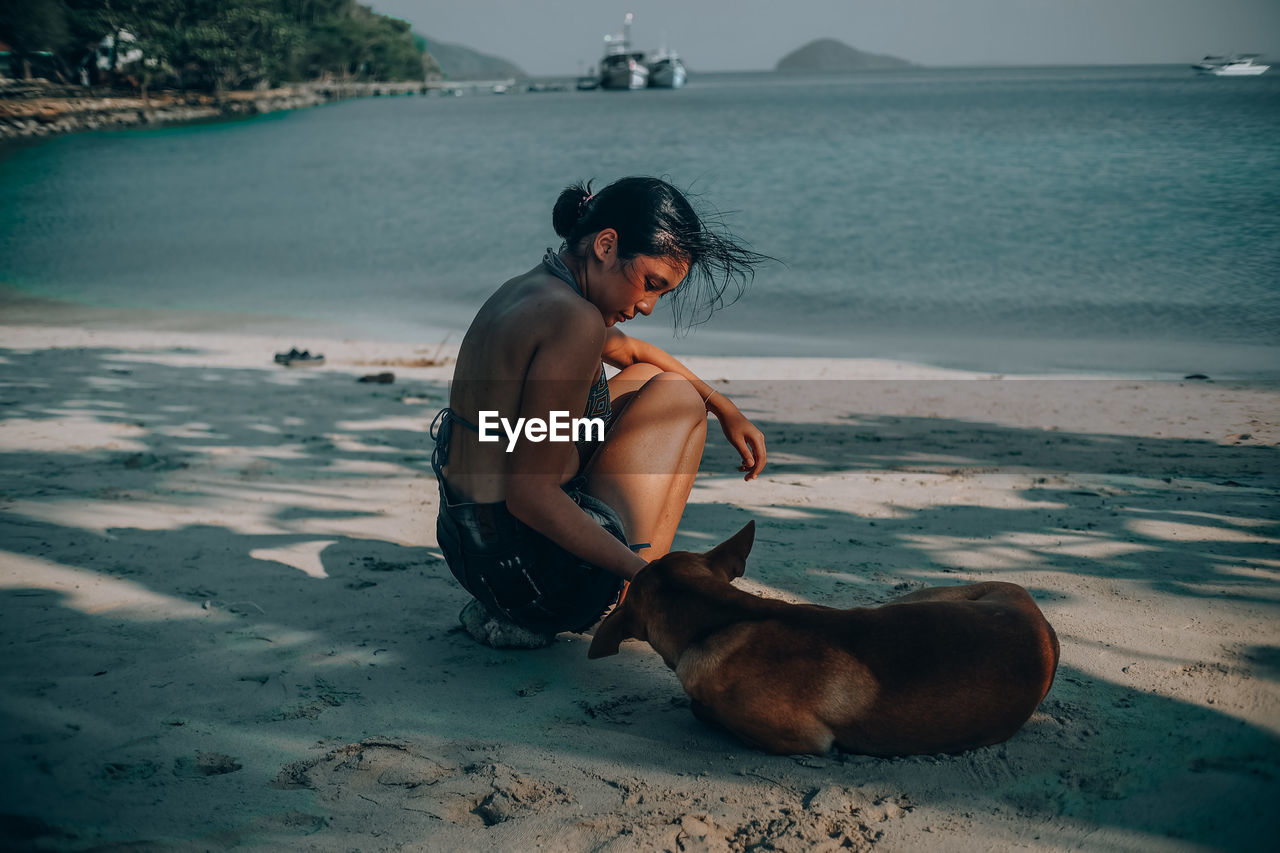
(516, 571)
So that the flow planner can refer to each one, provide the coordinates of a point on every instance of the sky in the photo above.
(550, 37)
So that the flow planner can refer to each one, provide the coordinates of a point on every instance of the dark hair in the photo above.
(654, 218)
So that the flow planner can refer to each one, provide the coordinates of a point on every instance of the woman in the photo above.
(544, 534)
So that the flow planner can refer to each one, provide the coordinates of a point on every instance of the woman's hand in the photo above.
(745, 437)
(622, 351)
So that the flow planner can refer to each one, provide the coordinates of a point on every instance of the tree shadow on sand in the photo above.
(173, 586)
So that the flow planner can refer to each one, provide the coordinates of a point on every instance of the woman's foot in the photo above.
(499, 632)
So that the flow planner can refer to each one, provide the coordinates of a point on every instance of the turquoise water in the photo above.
(997, 219)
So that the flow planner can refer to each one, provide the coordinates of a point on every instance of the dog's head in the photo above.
(631, 619)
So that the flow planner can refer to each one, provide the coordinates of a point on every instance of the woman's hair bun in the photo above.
(568, 209)
(651, 217)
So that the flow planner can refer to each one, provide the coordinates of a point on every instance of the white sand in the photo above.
(226, 621)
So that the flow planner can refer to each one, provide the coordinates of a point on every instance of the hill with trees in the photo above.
(463, 63)
(833, 55)
(210, 44)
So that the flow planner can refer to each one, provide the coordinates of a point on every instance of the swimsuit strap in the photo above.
(556, 267)
(442, 431)
(463, 422)
(598, 404)
(446, 414)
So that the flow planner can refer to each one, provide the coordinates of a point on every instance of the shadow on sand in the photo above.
(234, 568)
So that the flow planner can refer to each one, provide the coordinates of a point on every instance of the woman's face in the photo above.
(633, 287)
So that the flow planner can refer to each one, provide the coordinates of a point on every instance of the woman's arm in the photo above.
(535, 470)
(623, 351)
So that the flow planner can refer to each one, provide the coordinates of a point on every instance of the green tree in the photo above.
(222, 44)
(149, 28)
(238, 43)
(33, 27)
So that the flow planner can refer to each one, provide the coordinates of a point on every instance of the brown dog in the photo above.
(939, 670)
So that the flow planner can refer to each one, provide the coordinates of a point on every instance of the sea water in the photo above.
(1005, 219)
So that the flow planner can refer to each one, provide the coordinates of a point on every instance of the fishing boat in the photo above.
(666, 71)
(621, 67)
(1240, 65)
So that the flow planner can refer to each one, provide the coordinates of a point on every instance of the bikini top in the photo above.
(598, 405)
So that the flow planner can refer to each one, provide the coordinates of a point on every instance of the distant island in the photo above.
(833, 55)
(463, 63)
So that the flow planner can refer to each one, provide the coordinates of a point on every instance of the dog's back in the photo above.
(940, 670)
(921, 675)
(957, 667)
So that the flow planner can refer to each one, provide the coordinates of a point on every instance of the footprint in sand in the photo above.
(205, 764)
(361, 778)
(613, 710)
(326, 696)
(119, 771)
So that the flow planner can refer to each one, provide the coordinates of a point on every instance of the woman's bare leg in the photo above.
(629, 380)
(646, 466)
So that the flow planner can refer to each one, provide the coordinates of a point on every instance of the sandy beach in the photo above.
(226, 622)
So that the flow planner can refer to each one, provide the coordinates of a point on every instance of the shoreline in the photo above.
(1046, 358)
(227, 621)
(69, 112)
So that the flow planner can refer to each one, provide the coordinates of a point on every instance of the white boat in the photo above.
(666, 71)
(621, 67)
(1241, 65)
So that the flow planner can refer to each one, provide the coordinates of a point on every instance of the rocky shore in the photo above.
(32, 110)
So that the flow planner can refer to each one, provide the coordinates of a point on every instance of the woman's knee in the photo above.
(632, 378)
(675, 394)
(641, 371)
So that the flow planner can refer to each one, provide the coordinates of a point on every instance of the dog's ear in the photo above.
(730, 556)
(617, 626)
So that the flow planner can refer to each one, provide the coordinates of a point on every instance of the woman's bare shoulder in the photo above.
(543, 305)
(533, 315)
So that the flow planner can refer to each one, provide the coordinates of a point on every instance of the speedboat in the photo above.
(622, 68)
(666, 71)
(1240, 65)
